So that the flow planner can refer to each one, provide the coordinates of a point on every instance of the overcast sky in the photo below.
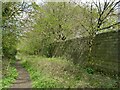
(83, 1)
(39, 1)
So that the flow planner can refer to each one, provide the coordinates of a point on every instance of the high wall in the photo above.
(104, 51)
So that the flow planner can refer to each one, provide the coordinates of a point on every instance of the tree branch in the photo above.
(110, 26)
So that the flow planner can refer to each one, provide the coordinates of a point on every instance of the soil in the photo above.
(23, 79)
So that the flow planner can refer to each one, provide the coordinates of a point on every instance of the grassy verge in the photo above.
(9, 73)
(49, 73)
(60, 73)
(0, 74)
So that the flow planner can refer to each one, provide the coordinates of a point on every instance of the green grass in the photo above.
(9, 74)
(61, 73)
(0, 74)
(50, 74)
(40, 80)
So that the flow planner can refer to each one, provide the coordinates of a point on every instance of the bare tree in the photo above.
(99, 15)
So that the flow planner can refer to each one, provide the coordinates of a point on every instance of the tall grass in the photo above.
(61, 73)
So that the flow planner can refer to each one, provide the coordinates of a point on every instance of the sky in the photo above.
(39, 1)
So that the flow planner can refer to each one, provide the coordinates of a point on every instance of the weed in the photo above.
(6, 81)
(61, 73)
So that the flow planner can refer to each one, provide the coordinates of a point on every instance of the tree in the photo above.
(99, 16)
(61, 21)
(55, 22)
(11, 22)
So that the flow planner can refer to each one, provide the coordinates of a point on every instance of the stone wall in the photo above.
(104, 51)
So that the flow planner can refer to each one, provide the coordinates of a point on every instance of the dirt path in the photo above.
(23, 79)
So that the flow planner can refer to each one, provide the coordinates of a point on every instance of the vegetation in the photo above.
(68, 21)
(11, 31)
(61, 73)
(30, 29)
(9, 73)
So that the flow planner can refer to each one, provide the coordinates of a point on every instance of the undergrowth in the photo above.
(40, 80)
(9, 74)
(61, 73)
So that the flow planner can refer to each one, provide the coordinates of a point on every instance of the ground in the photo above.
(23, 79)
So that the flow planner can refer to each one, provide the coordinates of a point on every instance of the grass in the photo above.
(50, 74)
(9, 74)
(0, 74)
(61, 73)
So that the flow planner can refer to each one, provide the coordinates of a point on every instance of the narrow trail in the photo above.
(23, 79)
